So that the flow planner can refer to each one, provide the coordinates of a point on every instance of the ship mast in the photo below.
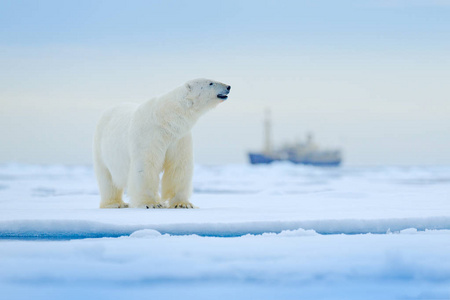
(267, 133)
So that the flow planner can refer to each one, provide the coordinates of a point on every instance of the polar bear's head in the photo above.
(206, 93)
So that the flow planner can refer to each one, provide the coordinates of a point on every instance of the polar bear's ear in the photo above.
(188, 87)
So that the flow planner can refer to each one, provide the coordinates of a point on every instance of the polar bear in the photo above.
(134, 143)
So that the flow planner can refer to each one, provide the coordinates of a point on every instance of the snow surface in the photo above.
(261, 232)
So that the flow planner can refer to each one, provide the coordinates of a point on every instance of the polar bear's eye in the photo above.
(211, 83)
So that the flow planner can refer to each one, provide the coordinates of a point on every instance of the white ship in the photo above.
(307, 152)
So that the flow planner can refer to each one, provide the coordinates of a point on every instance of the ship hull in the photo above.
(258, 158)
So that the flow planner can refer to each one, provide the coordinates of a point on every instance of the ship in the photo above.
(302, 152)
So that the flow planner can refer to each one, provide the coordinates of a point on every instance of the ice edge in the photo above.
(79, 229)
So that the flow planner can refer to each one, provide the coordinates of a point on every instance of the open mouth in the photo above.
(222, 96)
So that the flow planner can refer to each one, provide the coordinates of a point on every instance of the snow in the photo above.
(263, 232)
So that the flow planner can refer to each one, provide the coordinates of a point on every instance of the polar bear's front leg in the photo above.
(143, 184)
(178, 173)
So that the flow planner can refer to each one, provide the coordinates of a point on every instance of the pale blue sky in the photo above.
(368, 76)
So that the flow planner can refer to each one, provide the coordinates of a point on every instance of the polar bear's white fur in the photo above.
(134, 143)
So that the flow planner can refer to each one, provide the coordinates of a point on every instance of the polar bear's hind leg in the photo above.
(111, 196)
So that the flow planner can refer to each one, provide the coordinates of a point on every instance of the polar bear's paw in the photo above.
(158, 205)
(149, 205)
(183, 205)
(114, 205)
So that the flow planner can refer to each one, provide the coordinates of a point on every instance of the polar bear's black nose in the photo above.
(229, 88)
